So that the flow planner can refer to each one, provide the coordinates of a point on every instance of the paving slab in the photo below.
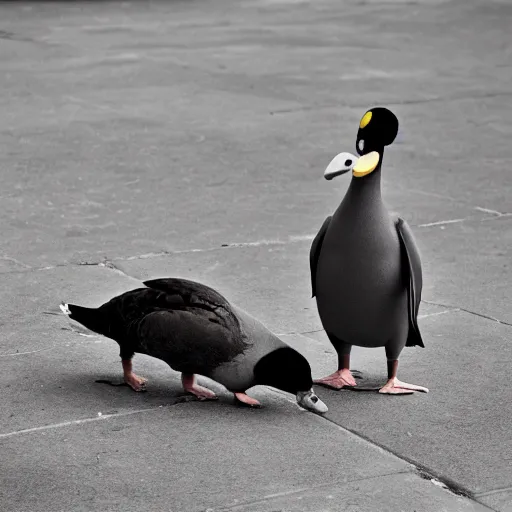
(57, 385)
(500, 500)
(399, 492)
(460, 430)
(69, 443)
(45, 358)
(171, 458)
(467, 265)
(30, 315)
(270, 280)
(186, 98)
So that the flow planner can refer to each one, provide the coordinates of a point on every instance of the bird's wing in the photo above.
(414, 280)
(190, 341)
(314, 252)
(198, 296)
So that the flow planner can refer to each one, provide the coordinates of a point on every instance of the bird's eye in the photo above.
(348, 162)
(314, 399)
(361, 145)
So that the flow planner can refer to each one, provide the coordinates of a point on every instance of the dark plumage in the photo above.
(195, 330)
(365, 266)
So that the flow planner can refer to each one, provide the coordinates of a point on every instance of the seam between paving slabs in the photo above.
(101, 417)
(302, 489)
(455, 309)
(494, 215)
(420, 469)
(493, 491)
(420, 101)
(424, 471)
(110, 265)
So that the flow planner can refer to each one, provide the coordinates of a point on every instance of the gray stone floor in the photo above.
(189, 138)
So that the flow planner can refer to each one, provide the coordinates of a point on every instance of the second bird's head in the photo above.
(378, 128)
(288, 370)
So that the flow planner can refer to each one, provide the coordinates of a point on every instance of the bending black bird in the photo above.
(195, 330)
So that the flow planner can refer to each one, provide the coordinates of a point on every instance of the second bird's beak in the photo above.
(340, 164)
(311, 402)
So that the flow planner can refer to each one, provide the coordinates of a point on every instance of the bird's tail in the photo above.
(92, 318)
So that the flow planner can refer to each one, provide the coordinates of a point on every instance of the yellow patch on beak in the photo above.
(365, 120)
(366, 164)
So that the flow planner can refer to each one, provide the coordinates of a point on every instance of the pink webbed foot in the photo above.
(396, 387)
(337, 380)
(135, 382)
(190, 386)
(247, 400)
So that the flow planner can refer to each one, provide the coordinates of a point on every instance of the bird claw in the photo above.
(243, 399)
(338, 380)
(135, 382)
(397, 387)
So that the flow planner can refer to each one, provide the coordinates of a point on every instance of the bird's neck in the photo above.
(368, 186)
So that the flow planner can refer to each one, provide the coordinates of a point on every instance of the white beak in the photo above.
(311, 402)
(340, 164)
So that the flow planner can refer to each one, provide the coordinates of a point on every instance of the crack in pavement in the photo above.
(449, 309)
(298, 333)
(420, 101)
(493, 491)
(14, 354)
(494, 215)
(437, 313)
(421, 471)
(431, 194)
(424, 471)
(465, 310)
(291, 492)
(493, 212)
(443, 222)
(14, 260)
(99, 417)
(111, 266)
(110, 263)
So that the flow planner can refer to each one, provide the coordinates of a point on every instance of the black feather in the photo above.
(414, 280)
(285, 369)
(314, 252)
(188, 325)
(92, 318)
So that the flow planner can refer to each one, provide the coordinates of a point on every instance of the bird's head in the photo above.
(289, 371)
(378, 128)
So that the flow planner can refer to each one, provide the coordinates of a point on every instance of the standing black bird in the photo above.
(195, 330)
(365, 266)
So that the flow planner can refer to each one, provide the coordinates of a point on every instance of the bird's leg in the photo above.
(247, 400)
(396, 387)
(190, 386)
(343, 377)
(134, 381)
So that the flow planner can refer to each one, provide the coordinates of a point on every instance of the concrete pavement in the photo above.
(189, 138)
